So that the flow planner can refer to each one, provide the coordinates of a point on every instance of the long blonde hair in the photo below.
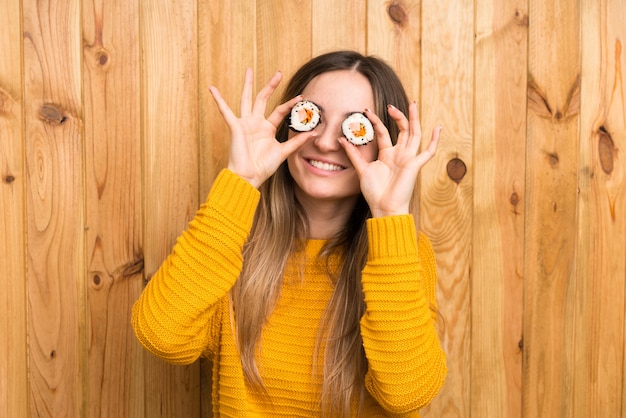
(280, 229)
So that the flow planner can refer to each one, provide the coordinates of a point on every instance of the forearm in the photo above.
(407, 365)
(172, 317)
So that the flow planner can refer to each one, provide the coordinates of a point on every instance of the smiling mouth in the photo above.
(326, 166)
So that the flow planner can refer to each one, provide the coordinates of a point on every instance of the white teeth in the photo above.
(325, 166)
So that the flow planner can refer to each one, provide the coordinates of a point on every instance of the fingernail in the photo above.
(390, 105)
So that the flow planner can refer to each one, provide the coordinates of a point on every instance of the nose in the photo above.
(327, 135)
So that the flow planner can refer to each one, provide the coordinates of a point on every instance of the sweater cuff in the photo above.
(232, 195)
(391, 236)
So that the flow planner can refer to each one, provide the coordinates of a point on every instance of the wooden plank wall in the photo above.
(109, 141)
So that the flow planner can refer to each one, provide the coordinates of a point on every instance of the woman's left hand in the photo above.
(387, 183)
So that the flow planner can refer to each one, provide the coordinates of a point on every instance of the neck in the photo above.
(326, 218)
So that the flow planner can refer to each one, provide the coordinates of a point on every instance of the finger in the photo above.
(358, 162)
(431, 149)
(415, 130)
(380, 130)
(281, 111)
(266, 92)
(295, 142)
(434, 140)
(222, 106)
(245, 106)
(402, 122)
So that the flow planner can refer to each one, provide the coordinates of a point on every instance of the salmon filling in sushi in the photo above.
(358, 129)
(304, 117)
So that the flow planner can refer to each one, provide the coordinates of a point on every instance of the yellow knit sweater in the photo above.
(184, 313)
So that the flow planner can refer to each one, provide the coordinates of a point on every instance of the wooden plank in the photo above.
(113, 205)
(222, 62)
(168, 31)
(13, 372)
(278, 23)
(447, 183)
(498, 219)
(601, 243)
(393, 33)
(338, 25)
(549, 363)
(54, 191)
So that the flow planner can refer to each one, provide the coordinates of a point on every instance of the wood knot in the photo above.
(606, 150)
(538, 101)
(130, 269)
(51, 114)
(103, 58)
(514, 199)
(98, 279)
(521, 18)
(456, 169)
(553, 159)
(9, 178)
(397, 14)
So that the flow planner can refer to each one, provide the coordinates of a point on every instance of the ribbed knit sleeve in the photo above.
(407, 365)
(173, 318)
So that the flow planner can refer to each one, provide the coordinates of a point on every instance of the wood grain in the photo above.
(222, 63)
(550, 367)
(446, 205)
(113, 205)
(393, 34)
(55, 216)
(601, 241)
(498, 218)
(344, 28)
(13, 372)
(284, 40)
(169, 103)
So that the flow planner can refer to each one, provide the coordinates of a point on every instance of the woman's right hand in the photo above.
(255, 154)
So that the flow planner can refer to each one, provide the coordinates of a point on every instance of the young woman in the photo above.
(302, 276)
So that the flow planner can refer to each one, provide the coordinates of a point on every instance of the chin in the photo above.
(325, 193)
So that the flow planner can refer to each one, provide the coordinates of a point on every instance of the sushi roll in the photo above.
(358, 129)
(304, 117)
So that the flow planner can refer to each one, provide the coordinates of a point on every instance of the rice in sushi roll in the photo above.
(358, 129)
(304, 117)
